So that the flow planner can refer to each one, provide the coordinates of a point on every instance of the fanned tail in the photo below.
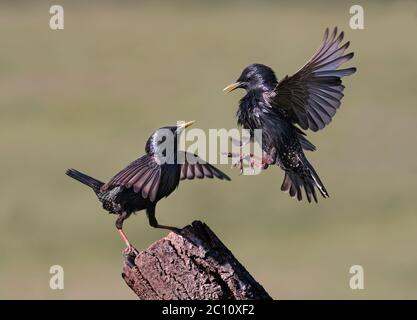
(308, 180)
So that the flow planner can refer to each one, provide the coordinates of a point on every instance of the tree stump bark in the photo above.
(190, 264)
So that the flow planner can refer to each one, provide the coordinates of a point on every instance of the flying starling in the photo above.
(148, 179)
(309, 98)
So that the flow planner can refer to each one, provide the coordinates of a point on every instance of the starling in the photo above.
(308, 99)
(147, 180)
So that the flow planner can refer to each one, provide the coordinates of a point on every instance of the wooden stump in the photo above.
(190, 264)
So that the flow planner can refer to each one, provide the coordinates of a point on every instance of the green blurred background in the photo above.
(89, 96)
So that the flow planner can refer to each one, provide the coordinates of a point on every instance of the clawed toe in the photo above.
(128, 250)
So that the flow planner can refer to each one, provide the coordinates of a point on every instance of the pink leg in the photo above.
(263, 162)
(240, 158)
(129, 248)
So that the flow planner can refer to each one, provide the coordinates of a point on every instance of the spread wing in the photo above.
(312, 95)
(195, 167)
(143, 175)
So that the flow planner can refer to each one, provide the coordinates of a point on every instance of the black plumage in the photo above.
(147, 180)
(309, 99)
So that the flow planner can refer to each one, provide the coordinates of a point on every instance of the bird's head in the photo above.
(255, 77)
(165, 136)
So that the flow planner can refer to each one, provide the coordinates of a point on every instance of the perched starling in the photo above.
(147, 180)
(309, 99)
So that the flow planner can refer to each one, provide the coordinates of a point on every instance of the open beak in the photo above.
(232, 87)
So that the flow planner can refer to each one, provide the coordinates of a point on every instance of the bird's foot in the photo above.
(238, 160)
(267, 160)
(263, 164)
(129, 250)
(130, 253)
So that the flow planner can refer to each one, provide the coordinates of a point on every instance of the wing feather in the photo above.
(200, 169)
(143, 175)
(312, 95)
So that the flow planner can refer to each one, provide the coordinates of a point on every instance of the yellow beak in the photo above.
(186, 124)
(232, 87)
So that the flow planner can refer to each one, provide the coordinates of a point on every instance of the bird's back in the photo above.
(119, 198)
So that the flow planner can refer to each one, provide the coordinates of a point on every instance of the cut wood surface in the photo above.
(190, 264)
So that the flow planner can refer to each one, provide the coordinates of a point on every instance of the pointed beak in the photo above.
(232, 87)
(184, 125)
(188, 124)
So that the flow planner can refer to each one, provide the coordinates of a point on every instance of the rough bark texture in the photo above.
(191, 264)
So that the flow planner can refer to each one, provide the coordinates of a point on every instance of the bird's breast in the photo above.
(255, 113)
(170, 178)
(250, 112)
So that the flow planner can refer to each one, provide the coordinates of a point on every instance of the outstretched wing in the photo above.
(195, 167)
(312, 95)
(143, 175)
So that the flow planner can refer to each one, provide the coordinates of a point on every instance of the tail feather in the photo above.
(308, 180)
(85, 179)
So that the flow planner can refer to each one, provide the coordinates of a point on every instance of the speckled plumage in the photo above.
(145, 181)
(309, 99)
